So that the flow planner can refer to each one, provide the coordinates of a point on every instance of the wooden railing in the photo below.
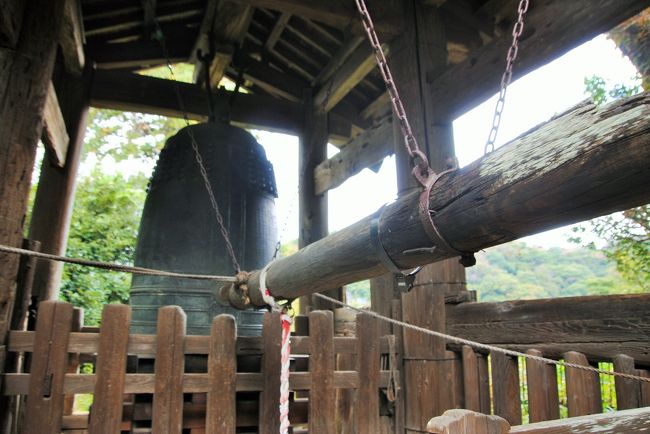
(580, 330)
(210, 396)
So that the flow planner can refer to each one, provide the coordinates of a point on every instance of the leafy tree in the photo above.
(104, 228)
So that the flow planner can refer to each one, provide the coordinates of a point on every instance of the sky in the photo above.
(532, 99)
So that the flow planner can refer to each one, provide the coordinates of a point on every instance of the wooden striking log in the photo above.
(582, 164)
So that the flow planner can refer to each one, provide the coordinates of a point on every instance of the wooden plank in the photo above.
(543, 400)
(221, 410)
(628, 392)
(471, 380)
(559, 27)
(367, 408)
(55, 134)
(133, 92)
(365, 150)
(627, 421)
(322, 398)
(141, 53)
(169, 367)
(277, 30)
(460, 421)
(351, 73)
(53, 204)
(110, 370)
(72, 38)
(271, 365)
(505, 387)
(582, 387)
(49, 364)
(606, 323)
(378, 108)
(73, 359)
(484, 384)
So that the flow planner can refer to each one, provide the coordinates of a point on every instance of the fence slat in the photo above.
(484, 384)
(505, 388)
(271, 364)
(543, 400)
(628, 392)
(322, 397)
(44, 408)
(169, 367)
(582, 387)
(73, 359)
(470, 380)
(106, 415)
(222, 376)
(367, 408)
(645, 388)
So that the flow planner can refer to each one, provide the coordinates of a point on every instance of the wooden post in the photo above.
(222, 373)
(628, 392)
(416, 56)
(56, 188)
(25, 73)
(312, 207)
(271, 366)
(322, 395)
(582, 387)
(505, 387)
(543, 400)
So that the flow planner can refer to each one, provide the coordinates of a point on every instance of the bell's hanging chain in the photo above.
(517, 30)
(419, 162)
(197, 154)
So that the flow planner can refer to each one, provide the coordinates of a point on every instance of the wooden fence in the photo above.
(216, 400)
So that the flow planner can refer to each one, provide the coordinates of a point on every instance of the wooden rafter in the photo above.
(278, 28)
(353, 70)
(348, 47)
(72, 38)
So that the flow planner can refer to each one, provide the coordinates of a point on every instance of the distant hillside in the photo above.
(518, 271)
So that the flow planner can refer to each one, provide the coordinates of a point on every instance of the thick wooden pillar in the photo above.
(56, 188)
(25, 73)
(430, 373)
(312, 207)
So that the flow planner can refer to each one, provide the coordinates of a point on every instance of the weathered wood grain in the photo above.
(221, 412)
(543, 401)
(628, 391)
(367, 404)
(597, 326)
(108, 396)
(55, 133)
(169, 368)
(627, 421)
(48, 368)
(505, 387)
(543, 179)
(471, 380)
(72, 38)
(582, 387)
(322, 401)
(271, 366)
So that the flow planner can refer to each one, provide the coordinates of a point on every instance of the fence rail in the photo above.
(216, 403)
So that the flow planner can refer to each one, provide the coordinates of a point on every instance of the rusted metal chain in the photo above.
(517, 30)
(197, 154)
(420, 168)
(481, 346)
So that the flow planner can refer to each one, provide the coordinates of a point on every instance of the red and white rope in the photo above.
(285, 351)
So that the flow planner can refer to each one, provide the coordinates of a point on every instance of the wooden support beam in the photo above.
(278, 28)
(353, 70)
(582, 164)
(132, 92)
(601, 327)
(552, 28)
(55, 133)
(348, 47)
(25, 74)
(72, 38)
(365, 150)
(54, 200)
(335, 13)
(224, 27)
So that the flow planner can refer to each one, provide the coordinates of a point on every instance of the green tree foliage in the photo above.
(104, 228)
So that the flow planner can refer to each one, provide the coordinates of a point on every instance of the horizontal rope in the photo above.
(113, 267)
(481, 346)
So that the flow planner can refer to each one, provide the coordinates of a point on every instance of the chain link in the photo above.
(197, 154)
(517, 30)
(419, 162)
